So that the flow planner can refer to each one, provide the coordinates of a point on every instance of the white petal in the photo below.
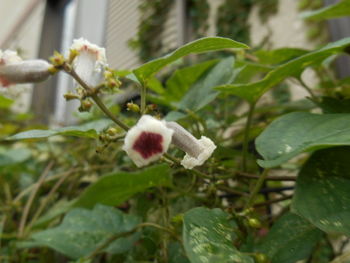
(208, 148)
(146, 124)
(9, 57)
(90, 62)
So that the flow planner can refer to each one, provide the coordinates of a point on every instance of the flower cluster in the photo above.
(150, 138)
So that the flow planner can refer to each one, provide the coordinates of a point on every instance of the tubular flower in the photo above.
(197, 151)
(90, 62)
(15, 70)
(147, 141)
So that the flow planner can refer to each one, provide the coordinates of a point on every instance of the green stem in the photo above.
(246, 136)
(94, 96)
(143, 95)
(106, 111)
(308, 89)
(256, 189)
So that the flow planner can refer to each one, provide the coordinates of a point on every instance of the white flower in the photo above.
(90, 62)
(197, 151)
(15, 70)
(147, 141)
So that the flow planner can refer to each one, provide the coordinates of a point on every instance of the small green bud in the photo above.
(73, 53)
(254, 223)
(85, 105)
(151, 107)
(112, 131)
(133, 107)
(70, 96)
(261, 258)
(57, 59)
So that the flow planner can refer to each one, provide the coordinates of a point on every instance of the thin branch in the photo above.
(97, 100)
(256, 189)
(269, 178)
(48, 198)
(269, 202)
(31, 199)
(246, 136)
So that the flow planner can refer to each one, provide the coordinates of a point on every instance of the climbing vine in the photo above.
(232, 21)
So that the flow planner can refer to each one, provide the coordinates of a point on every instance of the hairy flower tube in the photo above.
(147, 141)
(90, 62)
(15, 70)
(197, 151)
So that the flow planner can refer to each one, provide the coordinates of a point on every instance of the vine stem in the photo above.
(31, 199)
(307, 88)
(256, 189)
(114, 237)
(246, 136)
(48, 198)
(143, 94)
(95, 98)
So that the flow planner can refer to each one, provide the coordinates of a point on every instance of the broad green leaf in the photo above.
(82, 231)
(5, 103)
(118, 187)
(280, 55)
(334, 105)
(340, 9)
(246, 71)
(290, 239)
(322, 193)
(202, 45)
(13, 156)
(89, 130)
(208, 237)
(299, 132)
(202, 92)
(293, 68)
(182, 79)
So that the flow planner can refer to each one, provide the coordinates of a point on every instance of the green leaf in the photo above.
(202, 92)
(208, 237)
(299, 132)
(334, 105)
(88, 130)
(340, 9)
(118, 187)
(290, 239)
(322, 193)
(202, 45)
(82, 231)
(13, 156)
(293, 68)
(5, 103)
(182, 79)
(280, 55)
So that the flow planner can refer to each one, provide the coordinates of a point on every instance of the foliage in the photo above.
(275, 189)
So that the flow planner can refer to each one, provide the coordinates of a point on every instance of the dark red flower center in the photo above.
(148, 144)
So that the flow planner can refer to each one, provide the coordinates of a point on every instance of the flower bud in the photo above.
(254, 223)
(90, 61)
(14, 70)
(133, 107)
(197, 151)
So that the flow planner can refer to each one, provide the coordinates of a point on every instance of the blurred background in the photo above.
(135, 31)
